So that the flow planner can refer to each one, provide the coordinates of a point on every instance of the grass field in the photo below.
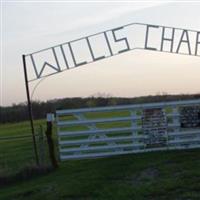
(173, 175)
(16, 153)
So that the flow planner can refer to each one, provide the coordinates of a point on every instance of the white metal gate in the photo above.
(116, 130)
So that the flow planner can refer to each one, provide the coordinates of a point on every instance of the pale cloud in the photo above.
(101, 17)
(29, 27)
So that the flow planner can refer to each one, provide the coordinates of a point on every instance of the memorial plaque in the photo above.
(154, 124)
(190, 117)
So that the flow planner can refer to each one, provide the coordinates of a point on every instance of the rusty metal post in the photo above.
(30, 109)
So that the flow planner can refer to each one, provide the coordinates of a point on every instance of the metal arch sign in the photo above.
(116, 41)
(168, 39)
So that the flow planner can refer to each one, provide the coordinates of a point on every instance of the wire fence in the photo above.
(16, 151)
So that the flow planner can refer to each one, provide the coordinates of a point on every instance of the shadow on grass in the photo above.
(26, 173)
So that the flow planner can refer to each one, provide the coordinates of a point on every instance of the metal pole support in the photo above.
(30, 109)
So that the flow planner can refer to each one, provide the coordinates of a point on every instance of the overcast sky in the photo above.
(30, 26)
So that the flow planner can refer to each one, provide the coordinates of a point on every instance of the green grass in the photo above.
(173, 175)
(151, 176)
(15, 154)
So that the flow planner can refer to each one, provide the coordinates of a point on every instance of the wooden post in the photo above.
(50, 119)
(41, 145)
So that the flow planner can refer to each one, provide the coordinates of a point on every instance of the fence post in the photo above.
(41, 145)
(50, 119)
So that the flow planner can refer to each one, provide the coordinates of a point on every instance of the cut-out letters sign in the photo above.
(111, 42)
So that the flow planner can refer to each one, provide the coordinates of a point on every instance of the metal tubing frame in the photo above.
(30, 110)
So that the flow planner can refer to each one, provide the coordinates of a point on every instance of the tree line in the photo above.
(19, 112)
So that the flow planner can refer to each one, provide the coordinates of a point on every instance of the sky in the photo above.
(29, 26)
